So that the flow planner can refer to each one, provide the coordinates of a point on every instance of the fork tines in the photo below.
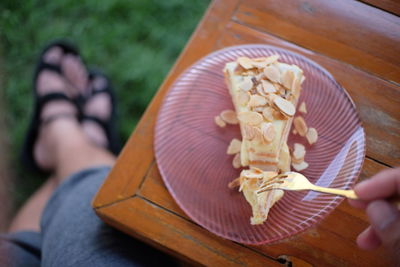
(279, 179)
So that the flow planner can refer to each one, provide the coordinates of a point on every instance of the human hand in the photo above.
(383, 216)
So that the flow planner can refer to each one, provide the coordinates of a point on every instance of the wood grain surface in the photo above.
(358, 44)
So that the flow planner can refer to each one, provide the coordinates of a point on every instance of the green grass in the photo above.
(128, 39)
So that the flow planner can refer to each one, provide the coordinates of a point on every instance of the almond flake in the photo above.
(218, 121)
(294, 131)
(235, 183)
(303, 108)
(300, 166)
(259, 64)
(296, 84)
(285, 106)
(248, 132)
(312, 135)
(299, 152)
(259, 76)
(271, 59)
(257, 100)
(246, 84)
(229, 116)
(243, 98)
(245, 62)
(268, 87)
(268, 131)
(234, 147)
(287, 79)
(250, 117)
(268, 114)
(260, 90)
(278, 115)
(300, 125)
(236, 163)
(258, 109)
(272, 73)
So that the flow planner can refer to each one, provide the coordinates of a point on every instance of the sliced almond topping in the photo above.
(285, 106)
(218, 121)
(245, 62)
(258, 109)
(259, 64)
(303, 108)
(278, 115)
(235, 183)
(300, 166)
(257, 100)
(229, 116)
(287, 79)
(236, 163)
(234, 147)
(260, 90)
(300, 125)
(312, 135)
(294, 131)
(268, 87)
(259, 59)
(296, 84)
(272, 73)
(248, 132)
(250, 117)
(299, 152)
(259, 76)
(243, 98)
(268, 131)
(268, 114)
(271, 59)
(246, 84)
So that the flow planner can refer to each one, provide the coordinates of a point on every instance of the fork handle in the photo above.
(351, 194)
(341, 192)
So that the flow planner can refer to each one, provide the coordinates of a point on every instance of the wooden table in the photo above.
(358, 42)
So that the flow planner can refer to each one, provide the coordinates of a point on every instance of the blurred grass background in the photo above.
(135, 42)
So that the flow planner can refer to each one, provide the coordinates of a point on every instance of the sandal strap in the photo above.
(45, 99)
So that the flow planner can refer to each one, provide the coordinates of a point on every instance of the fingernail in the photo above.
(381, 214)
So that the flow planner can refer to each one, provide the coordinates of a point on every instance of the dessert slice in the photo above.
(265, 93)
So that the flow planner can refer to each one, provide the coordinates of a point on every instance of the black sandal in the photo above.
(109, 125)
(27, 155)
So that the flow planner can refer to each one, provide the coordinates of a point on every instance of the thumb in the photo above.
(385, 220)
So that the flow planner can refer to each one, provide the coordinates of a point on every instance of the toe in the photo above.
(99, 106)
(75, 72)
(53, 55)
(51, 82)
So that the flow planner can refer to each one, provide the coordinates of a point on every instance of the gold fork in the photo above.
(295, 181)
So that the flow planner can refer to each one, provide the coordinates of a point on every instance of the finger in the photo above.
(381, 185)
(358, 204)
(385, 221)
(368, 239)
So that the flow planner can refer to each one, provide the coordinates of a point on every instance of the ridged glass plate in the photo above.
(191, 150)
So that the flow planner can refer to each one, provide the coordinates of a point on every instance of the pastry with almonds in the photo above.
(265, 93)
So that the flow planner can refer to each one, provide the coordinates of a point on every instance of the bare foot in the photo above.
(51, 82)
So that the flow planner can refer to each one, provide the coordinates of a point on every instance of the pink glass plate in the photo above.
(191, 150)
